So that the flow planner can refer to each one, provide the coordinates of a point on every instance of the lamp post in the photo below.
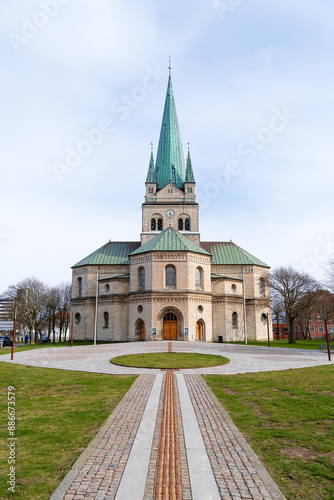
(327, 336)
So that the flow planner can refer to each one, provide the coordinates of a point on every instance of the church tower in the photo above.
(170, 199)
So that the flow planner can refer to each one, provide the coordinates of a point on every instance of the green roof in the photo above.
(116, 252)
(170, 240)
(189, 170)
(228, 253)
(151, 170)
(169, 166)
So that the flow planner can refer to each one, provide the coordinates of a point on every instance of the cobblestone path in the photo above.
(168, 439)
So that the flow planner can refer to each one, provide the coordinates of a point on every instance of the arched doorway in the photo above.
(200, 330)
(140, 330)
(170, 326)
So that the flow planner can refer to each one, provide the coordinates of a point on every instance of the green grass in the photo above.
(170, 360)
(58, 412)
(288, 419)
(300, 344)
(29, 347)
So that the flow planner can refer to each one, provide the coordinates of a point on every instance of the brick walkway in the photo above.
(211, 457)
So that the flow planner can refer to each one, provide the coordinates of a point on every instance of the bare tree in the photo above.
(31, 297)
(330, 274)
(52, 309)
(277, 306)
(295, 291)
(63, 313)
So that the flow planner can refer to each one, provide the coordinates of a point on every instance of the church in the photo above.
(170, 285)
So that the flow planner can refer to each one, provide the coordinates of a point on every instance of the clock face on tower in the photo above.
(170, 213)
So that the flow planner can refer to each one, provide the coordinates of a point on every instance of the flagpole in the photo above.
(244, 301)
(97, 296)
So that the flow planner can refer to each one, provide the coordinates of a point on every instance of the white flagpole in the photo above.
(97, 296)
(243, 290)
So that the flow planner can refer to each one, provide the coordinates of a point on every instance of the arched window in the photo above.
(170, 276)
(180, 224)
(79, 286)
(261, 286)
(199, 277)
(77, 318)
(106, 320)
(159, 224)
(142, 277)
(153, 225)
(234, 320)
(187, 224)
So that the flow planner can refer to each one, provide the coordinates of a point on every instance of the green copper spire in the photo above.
(189, 170)
(151, 170)
(170, 166)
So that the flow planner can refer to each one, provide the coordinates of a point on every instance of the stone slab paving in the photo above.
(237, 471)
(98, 471)
(96, 359)
(216, 462)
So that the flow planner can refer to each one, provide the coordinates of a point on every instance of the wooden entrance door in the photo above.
(142, 331)
(198, 332)
(170, 327)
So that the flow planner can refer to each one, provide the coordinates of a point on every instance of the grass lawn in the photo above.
(300, 344)
(58, 412)
(170, 360)
(29, 347)
(288, 419)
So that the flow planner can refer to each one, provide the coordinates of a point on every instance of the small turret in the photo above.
(189, 183)
(151, 183)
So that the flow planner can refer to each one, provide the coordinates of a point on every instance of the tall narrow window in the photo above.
(187, 224)
(159, 224)
(234, 320)
(153, 225)
(79, 286)
(106, 319)
(198, 277)
(170, 276)
(142, 278)
(180, 224)
(261, 286)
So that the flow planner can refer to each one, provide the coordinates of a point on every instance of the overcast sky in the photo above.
(83, 85)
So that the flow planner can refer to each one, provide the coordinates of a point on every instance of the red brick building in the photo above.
(312, 323)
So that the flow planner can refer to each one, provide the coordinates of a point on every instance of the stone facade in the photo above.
(170, 285)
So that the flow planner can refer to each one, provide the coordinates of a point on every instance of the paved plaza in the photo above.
(169, 438)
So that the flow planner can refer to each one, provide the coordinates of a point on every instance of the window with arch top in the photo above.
(187, 224)
(170, 276)
(235, 320)
(79, 286)
(159, 224)
(199, 277)
(261, 286)
(142, 277)
(106, 320)
(180, 224)
(153, 225)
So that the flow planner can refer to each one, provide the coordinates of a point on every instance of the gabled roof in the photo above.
(116, 252)
(169, 166)
(228, 253)
(170, 240)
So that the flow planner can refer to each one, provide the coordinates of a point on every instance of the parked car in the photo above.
(43, 338)
(5, 341)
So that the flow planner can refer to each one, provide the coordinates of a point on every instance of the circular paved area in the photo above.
(96, 359)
